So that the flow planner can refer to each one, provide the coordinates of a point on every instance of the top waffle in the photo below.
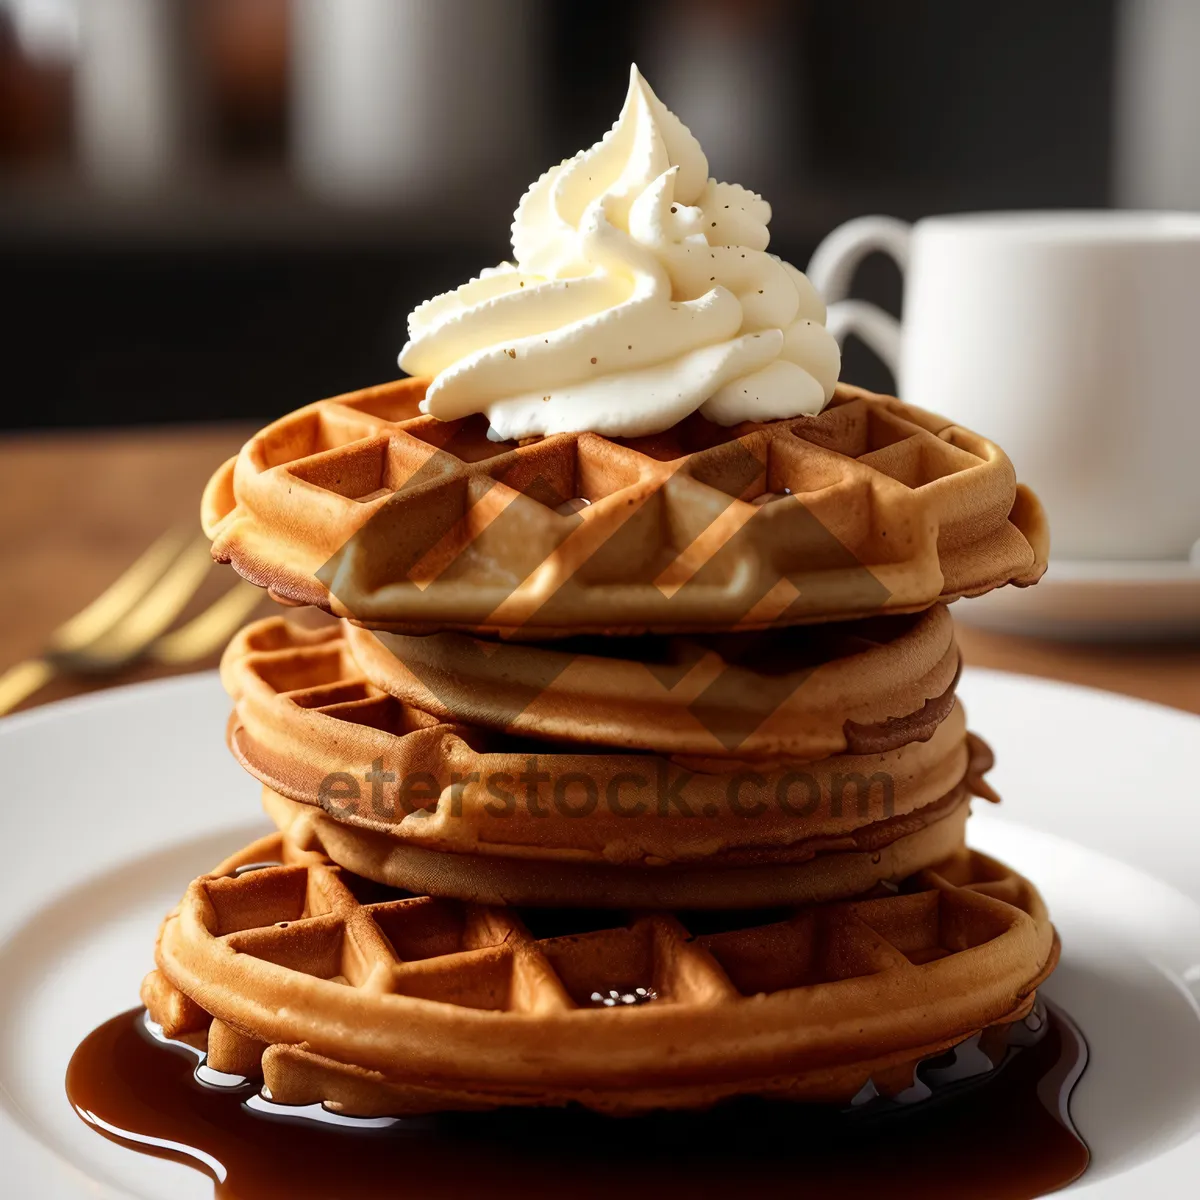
(398, 521)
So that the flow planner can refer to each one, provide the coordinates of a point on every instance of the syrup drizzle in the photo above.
(965, 1127)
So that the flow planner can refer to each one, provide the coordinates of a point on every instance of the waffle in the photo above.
(814, 872)
(799, 694)
(398, 521)
(374, 1002)
(309, 726)
(881, 697)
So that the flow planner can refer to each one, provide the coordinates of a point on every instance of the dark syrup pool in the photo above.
(965, 1129)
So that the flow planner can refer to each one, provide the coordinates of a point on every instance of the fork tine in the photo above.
(91, 624)
(20, 682)
(152, 615)
(115, 601)
(210, 629)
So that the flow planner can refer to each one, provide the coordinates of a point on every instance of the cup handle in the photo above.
(831, 272)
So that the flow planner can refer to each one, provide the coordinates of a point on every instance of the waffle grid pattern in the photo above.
(693, 703)
(307, 944)
(304, 714)
(363, 506)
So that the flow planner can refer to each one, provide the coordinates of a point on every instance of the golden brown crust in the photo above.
(312, 729)
(811, 872)
(777, 695)
(360, 505)
(410, 1005)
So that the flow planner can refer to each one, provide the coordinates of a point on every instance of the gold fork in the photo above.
(129, 621)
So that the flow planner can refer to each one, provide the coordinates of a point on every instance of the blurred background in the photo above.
(215, 209)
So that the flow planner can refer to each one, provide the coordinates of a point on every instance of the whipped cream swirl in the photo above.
(641, 292)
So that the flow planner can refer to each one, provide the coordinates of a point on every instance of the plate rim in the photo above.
(64, 1180)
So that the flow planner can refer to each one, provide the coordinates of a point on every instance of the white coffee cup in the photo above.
(1070, 338)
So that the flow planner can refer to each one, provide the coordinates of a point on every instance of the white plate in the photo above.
(1092, 600)
(113, 802)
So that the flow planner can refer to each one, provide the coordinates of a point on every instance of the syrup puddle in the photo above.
(963, 1128)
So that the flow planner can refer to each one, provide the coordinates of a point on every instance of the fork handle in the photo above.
(20, 682)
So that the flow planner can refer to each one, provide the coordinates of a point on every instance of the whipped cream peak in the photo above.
(641, 292)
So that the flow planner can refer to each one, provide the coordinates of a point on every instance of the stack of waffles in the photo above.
(631, 774)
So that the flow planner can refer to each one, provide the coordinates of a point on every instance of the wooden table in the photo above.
(78, 508)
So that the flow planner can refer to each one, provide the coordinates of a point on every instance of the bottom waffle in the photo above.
(373, 1001)
(883, 853)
